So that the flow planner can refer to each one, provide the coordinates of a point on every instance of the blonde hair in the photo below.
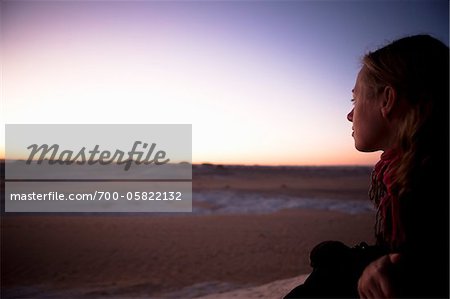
(417, 68)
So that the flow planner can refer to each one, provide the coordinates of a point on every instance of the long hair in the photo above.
(417, 68)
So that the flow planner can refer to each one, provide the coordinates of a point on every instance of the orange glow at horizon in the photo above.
(354, 158)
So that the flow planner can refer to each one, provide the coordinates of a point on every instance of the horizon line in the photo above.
(2, 160)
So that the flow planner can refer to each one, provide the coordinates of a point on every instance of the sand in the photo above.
(239, 255)
(269, 290)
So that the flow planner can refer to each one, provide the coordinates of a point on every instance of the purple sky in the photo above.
(266, 82)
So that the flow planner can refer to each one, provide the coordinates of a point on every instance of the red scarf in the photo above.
(389, 228)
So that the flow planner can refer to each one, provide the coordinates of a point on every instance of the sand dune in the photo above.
(276, 289)
(220, 255)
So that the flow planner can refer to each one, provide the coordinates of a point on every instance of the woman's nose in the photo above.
(350, 116)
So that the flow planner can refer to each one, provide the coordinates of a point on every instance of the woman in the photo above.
(401, 106)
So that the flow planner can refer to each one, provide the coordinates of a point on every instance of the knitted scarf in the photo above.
(388, 226)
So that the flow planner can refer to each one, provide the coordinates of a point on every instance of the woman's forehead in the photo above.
(360, 79)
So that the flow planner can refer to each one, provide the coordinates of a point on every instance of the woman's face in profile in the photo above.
(369, 129)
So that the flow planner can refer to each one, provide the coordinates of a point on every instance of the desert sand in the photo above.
(269, 290)
(216, 254)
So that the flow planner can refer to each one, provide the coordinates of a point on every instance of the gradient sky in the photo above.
(262, 82)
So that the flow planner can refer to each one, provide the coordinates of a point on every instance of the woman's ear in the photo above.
(388, 101)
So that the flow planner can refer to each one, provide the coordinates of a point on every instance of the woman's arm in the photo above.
(376, 280)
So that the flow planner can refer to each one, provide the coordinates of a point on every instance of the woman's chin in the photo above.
(365, 148)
